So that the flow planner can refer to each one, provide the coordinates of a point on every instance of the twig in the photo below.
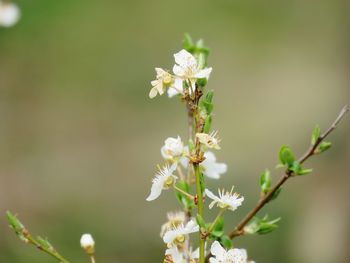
(310, 152)
(239, 229)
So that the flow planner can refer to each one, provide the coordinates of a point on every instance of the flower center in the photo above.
(167, 80)
(169, 182)
(180, 239)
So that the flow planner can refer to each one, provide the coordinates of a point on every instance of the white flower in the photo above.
(87, 243)
(225, 200)
(210, 140)
(187, 68)
(235, 255)
(163, 81)
(212, 169)
(9, 14)
(173, 148)
(163, 179)
(174, 220)
(176, 255)
(178, 234)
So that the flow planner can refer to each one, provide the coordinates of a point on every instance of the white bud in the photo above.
(9, 14)
(173, 147)
(88, 244)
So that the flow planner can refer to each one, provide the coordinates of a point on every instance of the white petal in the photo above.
(204, 73)
(172, 92)
(169, 236)
(178, 71)
(156, 190)
(185, 58)
(217, 250)
(211, 195)
(153, 92)
(160, 71)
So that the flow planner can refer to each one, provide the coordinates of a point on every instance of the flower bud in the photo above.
(88, 244)
(173, 147)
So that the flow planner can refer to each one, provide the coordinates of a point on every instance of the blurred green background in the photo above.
(79, 137)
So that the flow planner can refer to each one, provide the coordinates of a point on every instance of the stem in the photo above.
(183, 192)
(181, 174)
(239, 230)
(221, 212)
(93, 260)
(200, 210)
(53, 253)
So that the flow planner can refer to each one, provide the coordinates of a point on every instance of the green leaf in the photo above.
(315, 135)
(286, 156)
(200, 221)
(219, 224)
(209, 96)
(265, 181)
(305, 171)
(188, 43)
(14, 222)
(275, 194)
(183, 199)
(261, 225)
(298, 169)
(45, 243)
(202, 82)
(324, 146)
(217, 233)
(207, 124)
(226, 241)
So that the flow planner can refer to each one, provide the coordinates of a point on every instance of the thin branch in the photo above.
(239, 229)
(310, 152)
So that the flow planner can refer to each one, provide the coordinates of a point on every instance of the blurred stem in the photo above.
(183, 192)
(239, 230)
(52, 253)
(197, 171)
(93, 260)
(212, 226)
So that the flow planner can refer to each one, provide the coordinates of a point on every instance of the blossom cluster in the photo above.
(186, 162)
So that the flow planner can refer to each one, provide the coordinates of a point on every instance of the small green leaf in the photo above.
(219, 226)
(265, 181)
(191, 145)
(305, 171)
(315, 135)
(188, 43)
(324, 146)
(203, 81)
(217, 233)
(209, 96)
(183, 199)
(261, 225)
(200, 221)
(207, 124)
(298, 169)
(45, 243)
(275, 194)
(286, 156)
(226, 241)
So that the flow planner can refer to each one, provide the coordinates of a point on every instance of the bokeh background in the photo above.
(79, 137)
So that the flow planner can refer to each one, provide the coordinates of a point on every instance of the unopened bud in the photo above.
(88, 244)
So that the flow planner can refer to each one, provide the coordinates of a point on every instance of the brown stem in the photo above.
(310, 152)
(239, 229)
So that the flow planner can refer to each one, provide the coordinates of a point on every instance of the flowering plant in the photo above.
(190, 164)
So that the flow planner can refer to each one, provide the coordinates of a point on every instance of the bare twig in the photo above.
(239, 229)
(310, 152)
